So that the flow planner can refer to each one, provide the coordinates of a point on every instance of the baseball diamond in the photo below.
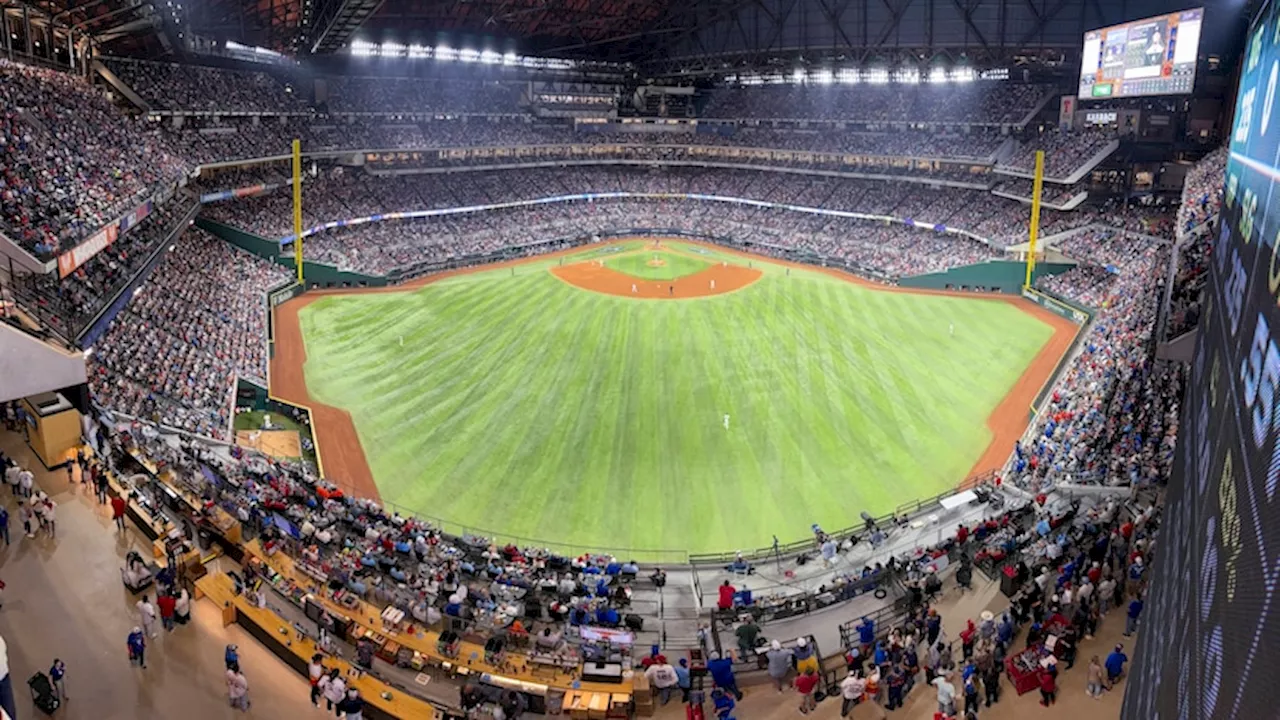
(585, 417)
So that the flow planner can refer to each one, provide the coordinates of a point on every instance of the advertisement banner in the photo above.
(1066, 113)
(80, 254)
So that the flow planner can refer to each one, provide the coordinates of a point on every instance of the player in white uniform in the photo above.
(726, 421)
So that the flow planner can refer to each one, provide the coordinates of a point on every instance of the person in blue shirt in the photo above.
(1004, 633)
(880, 656)
(137, 643)
(1115, 664)
(724, 704)
(58, 674)
(1131, 620)
(721, 669)
(231, 656)
(607, 616)
(867, 632)
(682, 679)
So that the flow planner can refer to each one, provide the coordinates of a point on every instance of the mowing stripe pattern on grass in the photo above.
(523, 405)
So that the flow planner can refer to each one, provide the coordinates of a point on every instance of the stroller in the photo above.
(42, 693)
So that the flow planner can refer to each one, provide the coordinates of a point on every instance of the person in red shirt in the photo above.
(727, 592)
(1095, 574)
(962, 534)
(166, 603)
(117, 512)
(805, 685)
(1048, 685)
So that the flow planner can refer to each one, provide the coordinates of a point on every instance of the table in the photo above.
(1024, 669)
(265, 625)
(516, 668)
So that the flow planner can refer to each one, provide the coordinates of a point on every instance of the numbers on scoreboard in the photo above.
(1245, 116)
(1235, 284)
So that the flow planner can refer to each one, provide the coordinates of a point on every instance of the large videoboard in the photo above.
(1156, 56)
(1211, 644)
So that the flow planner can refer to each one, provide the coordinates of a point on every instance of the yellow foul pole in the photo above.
(297, 207)
(1036, 185)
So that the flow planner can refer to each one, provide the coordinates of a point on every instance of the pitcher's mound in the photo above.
(656, 262)
(715, 280)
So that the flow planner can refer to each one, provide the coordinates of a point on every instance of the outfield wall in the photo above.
(1004, 276)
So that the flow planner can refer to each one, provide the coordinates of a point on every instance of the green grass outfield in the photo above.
(527, 406)
(675, 265)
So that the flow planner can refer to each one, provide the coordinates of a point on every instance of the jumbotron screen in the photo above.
(1211, 643)
(1156, 56)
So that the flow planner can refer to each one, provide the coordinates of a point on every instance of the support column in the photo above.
(26, 27)
(4, 28)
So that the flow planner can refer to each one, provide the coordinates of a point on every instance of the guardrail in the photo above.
(781, 550)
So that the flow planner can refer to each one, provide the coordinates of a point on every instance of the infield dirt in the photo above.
(715, 280)
(342, 457)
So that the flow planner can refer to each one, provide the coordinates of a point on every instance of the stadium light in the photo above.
(878, 76)
(962, 75)
(510, 59)
(823, 77)
(489, 57)
(419, 51)
(848, 76)
(391, 49)
(797, 76)
(361, 48)
(938, 75)
(468, 55)
(446, 53)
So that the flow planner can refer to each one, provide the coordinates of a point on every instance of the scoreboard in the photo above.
(1211, 645)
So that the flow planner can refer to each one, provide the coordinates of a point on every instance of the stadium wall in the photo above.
(998, 275)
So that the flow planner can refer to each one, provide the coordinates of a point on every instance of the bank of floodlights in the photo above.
(445, 53)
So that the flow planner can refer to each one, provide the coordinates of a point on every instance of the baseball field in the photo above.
(644, 398)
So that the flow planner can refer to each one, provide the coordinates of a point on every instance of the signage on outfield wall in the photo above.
(101, 240)
(1073, 314)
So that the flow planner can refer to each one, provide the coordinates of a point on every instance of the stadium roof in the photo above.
(672, 35)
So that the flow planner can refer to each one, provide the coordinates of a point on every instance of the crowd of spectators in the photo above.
(983, 102)
(207, 140)
(384, 246)
(1064, 151)
(197, 88)
(1201, 203)
(1202, 191)
(337, 195)
(172, 354)
(70, 162)
(1112, 417)
(68, 304)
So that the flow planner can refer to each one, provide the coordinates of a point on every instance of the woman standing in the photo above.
(334, 690)
(237, 688)
(1096, 679)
